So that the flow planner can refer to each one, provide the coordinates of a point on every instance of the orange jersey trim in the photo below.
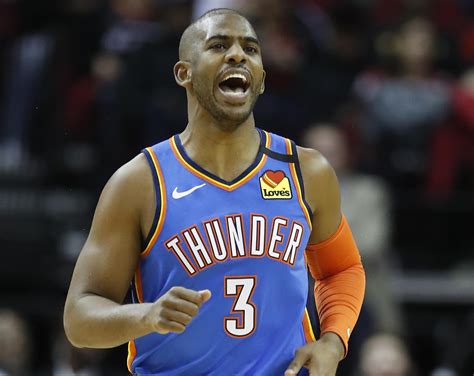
(214, 182)
(307, 328)
(298, 186)
(138, 284)
(132, 353)
(161, 219)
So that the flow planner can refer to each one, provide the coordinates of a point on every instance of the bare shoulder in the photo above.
(320, 181)
(313, 162)
(131, 179)
(130, 192)
(131, 174)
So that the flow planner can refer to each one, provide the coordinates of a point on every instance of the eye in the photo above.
(251, 50)
(217, 46)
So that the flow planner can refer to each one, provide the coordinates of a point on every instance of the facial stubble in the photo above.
(227, 120)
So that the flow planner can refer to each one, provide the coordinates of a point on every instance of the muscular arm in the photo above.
(323, 195)
(334, 262)
(94, 315)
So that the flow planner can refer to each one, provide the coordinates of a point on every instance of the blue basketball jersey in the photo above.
(244, 241)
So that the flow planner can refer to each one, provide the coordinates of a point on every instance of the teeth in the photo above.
(235, 75)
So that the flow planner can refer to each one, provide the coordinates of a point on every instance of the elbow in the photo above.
(73, 336)
(72, 328)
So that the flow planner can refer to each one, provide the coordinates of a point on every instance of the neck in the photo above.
(224, 151)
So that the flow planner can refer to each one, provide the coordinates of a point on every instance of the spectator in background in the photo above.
(286, 45)
(15, 344)
(144, 100)
(124, 93)
(34, 38)
(403, 105)
(332, 67)
(451, 166)
(127, 95)
(366, 204)
(385, 355)
(25, 71)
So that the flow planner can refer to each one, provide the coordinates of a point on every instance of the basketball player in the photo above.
(215, 228)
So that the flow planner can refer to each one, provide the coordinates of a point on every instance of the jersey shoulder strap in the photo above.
(153, 155)
(281, 149)
(284, 150)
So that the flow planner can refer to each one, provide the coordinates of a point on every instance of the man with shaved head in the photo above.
(214, 229)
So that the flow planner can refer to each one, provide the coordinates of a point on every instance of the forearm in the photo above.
(340, 282)
(338, 300)
(96, 322)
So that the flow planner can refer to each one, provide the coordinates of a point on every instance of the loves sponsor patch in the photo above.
(275, 185)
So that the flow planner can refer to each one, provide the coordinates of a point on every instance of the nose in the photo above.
(235, 54)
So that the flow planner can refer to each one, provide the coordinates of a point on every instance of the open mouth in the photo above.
(234, 85)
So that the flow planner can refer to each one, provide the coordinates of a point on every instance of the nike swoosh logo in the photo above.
(177, 195)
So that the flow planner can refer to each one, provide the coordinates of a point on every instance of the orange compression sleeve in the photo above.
(340, 282)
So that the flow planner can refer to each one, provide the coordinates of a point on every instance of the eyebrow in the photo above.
(227, 37)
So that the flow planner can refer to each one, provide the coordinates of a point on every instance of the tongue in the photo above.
(227, 89)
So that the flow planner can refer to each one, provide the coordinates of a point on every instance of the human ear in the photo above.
(262, 86)
(182, 73)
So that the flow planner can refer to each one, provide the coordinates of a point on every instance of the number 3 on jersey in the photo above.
(244, 319)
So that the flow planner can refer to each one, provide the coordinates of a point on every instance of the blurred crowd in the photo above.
(384, 89)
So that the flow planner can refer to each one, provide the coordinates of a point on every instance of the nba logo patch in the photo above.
(274, 185)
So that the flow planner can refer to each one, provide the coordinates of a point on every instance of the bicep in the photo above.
(327, 214)
(322, 190)
(109, 257)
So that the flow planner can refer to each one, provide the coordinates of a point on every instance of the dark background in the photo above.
(86, 84)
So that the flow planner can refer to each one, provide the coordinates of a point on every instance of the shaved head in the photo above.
(218, 46)
(188, 38)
